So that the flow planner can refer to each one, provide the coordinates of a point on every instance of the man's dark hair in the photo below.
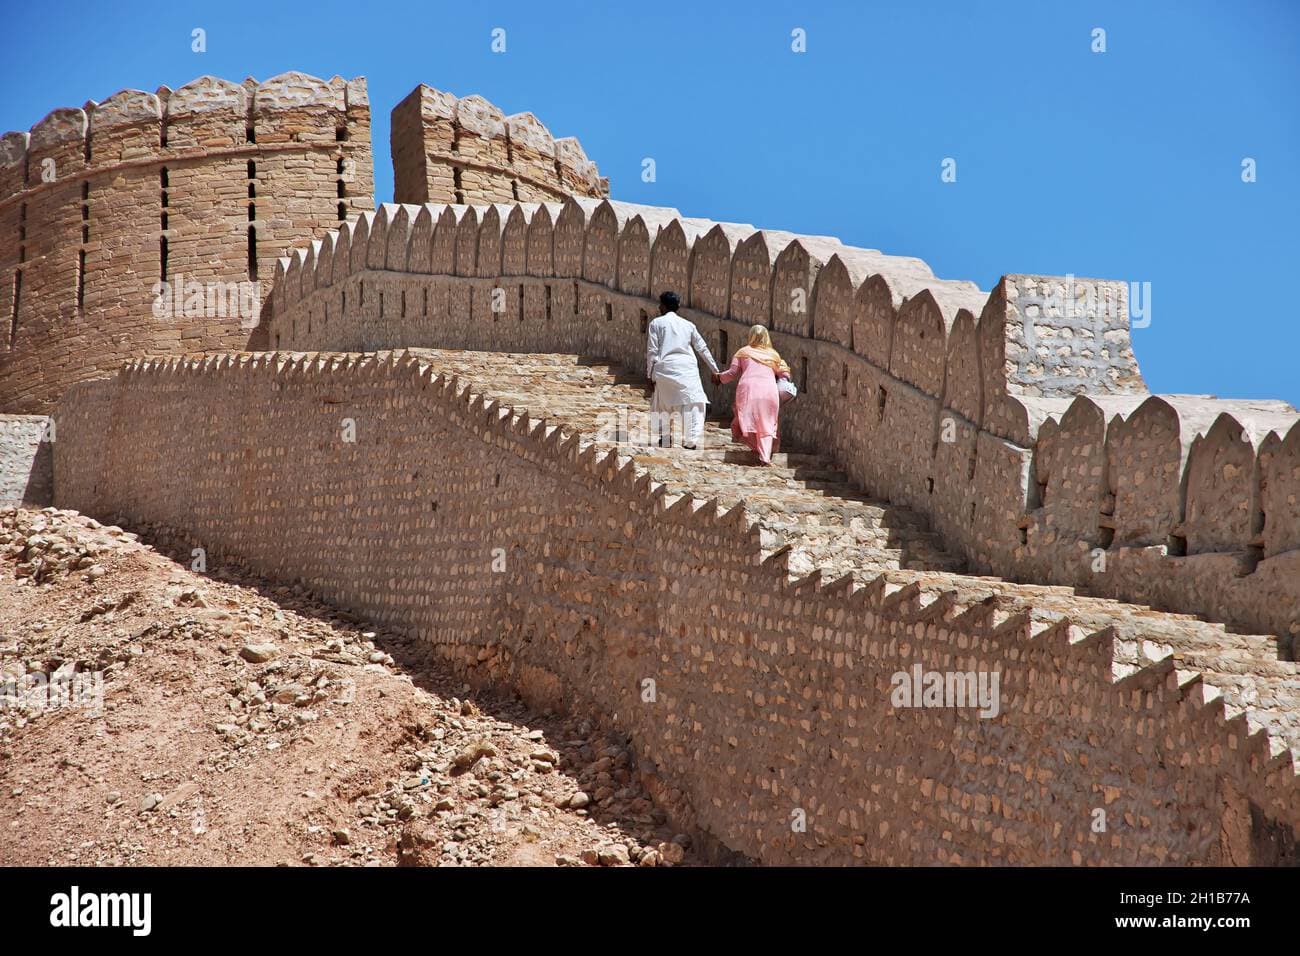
(669, 301)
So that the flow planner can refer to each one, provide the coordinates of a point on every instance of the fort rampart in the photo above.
(1017, 419)
(201, 187)
(759, 706)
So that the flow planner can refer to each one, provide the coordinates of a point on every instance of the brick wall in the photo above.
(771, 697)
(926, 389)
(90, 196)
(466, 150)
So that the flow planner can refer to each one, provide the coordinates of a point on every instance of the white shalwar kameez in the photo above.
(672, 343)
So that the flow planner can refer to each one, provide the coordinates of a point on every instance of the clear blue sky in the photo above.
(1124, 164)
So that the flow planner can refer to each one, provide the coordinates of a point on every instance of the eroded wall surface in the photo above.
(26, 462)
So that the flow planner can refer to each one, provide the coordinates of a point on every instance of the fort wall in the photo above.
(1016, 419)
(208, 183)
(465, 150)
(26, 462)
(526, 556)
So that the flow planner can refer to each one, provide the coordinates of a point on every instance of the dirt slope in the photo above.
(245, 724)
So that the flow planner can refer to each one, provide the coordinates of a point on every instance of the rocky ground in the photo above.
(241, 723)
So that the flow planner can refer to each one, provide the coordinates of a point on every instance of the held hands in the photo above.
(717, 378)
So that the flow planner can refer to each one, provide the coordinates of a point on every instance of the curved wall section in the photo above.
(148, 223)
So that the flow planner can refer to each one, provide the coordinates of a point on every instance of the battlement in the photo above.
(105, 207)
(1017, 420)
(949, 446)
(466, 150)
(582, 572)
(204, 115)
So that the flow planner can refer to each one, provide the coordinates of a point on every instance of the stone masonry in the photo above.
(436, 424)
(488, 504)
(929, 392)
(26, 461)
(467, 151)
(209, 183)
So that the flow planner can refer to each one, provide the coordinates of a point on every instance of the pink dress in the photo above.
(758, 405)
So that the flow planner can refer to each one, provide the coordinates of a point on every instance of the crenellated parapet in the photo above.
(465, 150)
(995, 489)
(621, 566)
(146, 223)
(1017, 420)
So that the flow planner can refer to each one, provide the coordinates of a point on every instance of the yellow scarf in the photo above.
(768, 356)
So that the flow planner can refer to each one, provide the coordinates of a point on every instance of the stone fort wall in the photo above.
(1016, 419)
(770, 696)
(208, 183)
(462, 150)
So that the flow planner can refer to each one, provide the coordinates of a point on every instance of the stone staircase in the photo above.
(803, 499)
(808, 512)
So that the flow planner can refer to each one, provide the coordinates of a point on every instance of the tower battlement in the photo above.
(466, 150)
(204, 186)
